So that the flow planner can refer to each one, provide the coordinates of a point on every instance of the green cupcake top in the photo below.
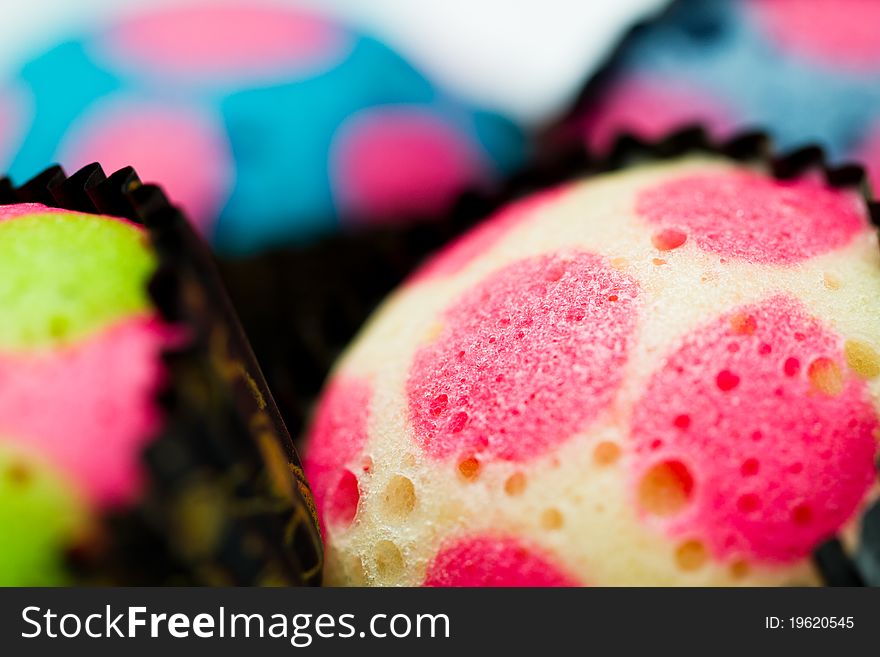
(65, 275)
(40, 517)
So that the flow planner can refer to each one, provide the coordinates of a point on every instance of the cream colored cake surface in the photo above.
(660, 376)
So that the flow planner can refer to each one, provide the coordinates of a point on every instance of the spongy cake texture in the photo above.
(64, 275)
(661, 376)
(79, 371)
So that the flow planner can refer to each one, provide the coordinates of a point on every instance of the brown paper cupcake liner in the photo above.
(226, 501)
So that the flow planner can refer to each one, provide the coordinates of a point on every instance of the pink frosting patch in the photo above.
(395, 162)
(25, 209)
(773, 437)
(227, 39)
(465, 249)
(525, 359)
(843, 32)
(334, 449)
(650, 110)
(184, 151)
(494, 561)
(89, 408)
(753, 217)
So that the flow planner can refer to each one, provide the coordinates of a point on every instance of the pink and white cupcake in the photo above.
(665, 374)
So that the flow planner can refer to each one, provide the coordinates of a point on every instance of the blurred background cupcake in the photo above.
(804, 70)
(271, 122)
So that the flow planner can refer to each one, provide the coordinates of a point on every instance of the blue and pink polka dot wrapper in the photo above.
(806, 71)
(268, 125)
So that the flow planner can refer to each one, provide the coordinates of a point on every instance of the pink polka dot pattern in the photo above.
(181, 149)
(222, 41)
(526, 359)
(650, 110)
(334, 446)
(398, 161)
(779, 458)
(753, 217)
(494, 561)
(843, 32)
(84, 410)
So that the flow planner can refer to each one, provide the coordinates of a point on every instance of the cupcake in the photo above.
(268, 124)
(138, 441)
(664, 374)
(804, 70)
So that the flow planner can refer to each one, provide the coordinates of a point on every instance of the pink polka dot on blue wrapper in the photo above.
(806, 71)
(268, 125)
